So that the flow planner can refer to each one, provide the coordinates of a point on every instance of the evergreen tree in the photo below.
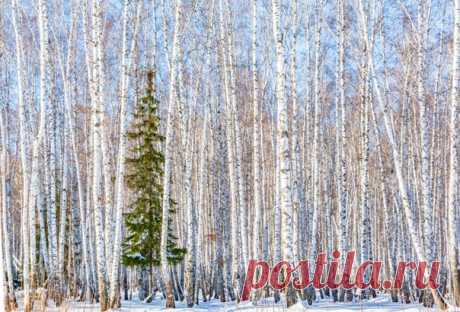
(144, 179)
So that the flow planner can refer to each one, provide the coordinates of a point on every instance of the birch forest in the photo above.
(279, 129)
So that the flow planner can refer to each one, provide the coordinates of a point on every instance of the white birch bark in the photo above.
(24, 163)
(3, 235)
(341, 138)
(6, 212)
(191, 219)
(297, 187)
(202, 174)
(231, 155)
(128, 58)
(201, 204)
(283, 150)
(51, 198)
(63, 210)
(452, 195)
(85, 203)
(42, 209)
(256, 162)
(242, 209)
(97, 179)
(107, 166)
(365, 225)
(307, 157)
(316, 131)
(169, 144)
(3, 290)
(425, 136)
(222, 256)
(65, 70)
(44, 98)
(50, 151)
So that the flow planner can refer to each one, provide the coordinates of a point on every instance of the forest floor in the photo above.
(380, 304)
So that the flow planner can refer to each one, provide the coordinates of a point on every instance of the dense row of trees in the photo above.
(270, 129)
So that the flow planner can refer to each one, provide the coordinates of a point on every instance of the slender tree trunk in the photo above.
(242, 209)
(365, 222)
(173, 82)
(296, 164)
(316, 133)
(24, 163)
(341, 172)
(4, 304)
(65, 69)
(6, 212)
(452, 209)
(97, 182)
(128, 58)
(235, 221)
(256, 161)
(191, 219)
(283, 151)
(44, 98)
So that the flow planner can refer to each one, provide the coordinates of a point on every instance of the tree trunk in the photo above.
(283, 151)
(173, 82)
(452, 209)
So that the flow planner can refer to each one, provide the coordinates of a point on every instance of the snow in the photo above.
(380, 304)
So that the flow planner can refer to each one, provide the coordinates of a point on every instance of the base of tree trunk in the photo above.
(335, 295)
(28, 303)
(372, 293)
(321, 294)
(363, 294)
(438, 299)
(103, 298)
(56, 291)
(231, 293)
(276, 296)
(255, 296)
(349, 295)
(115, 302)
(405, 294)
(456, 285)
(170, 295)
(11, 302)
(42, 296)
(341, 295)
(426, 298)
(394, 295)
(310, 294)
(87, 294)
(190, 289)
(291, 296)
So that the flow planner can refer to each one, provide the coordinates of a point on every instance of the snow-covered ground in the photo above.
(382, 303)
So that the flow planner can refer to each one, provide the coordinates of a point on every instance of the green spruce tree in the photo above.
(144, 178)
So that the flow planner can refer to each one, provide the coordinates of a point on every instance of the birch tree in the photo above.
(452, 210)
(4, 300)
(365, 226)
(38, 140)
(258, 208)
(23, 151)
(173, 81)
(128, 59)
(97, 133)
(283, 151)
